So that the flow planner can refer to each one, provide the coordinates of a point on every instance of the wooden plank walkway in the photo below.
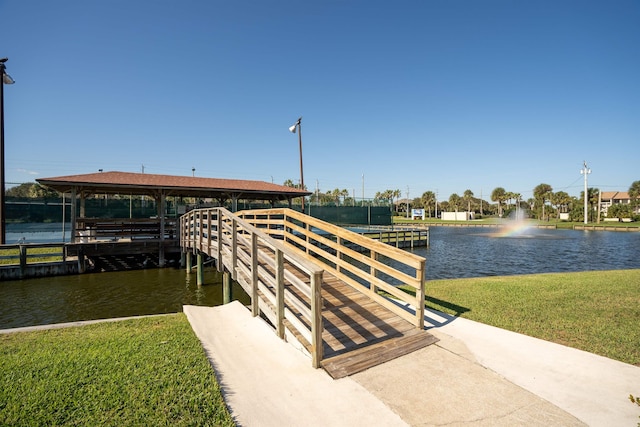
(359, 333)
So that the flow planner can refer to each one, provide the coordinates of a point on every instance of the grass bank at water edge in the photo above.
(147, 372)
(595, 311)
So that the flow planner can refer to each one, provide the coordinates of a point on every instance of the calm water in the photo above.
(454, 252)
(477, 252)
(104, 295)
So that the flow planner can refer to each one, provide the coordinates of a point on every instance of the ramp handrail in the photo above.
(366, 264)
(282, 284)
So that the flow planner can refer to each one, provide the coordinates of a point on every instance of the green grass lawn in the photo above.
(147, 372)
(596, 311)
(153, 371)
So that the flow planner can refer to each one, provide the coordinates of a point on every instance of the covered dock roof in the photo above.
(170, 185)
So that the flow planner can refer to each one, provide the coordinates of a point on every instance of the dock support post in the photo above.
(161, 258)
(188, 262)
(81, 264)
(226, 288)
(200, 269)
(23, 261)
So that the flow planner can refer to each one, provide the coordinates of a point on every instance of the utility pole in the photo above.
(407, 201)
(362, 189)
(585, 171)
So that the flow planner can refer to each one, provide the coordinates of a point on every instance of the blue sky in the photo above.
(425, 95)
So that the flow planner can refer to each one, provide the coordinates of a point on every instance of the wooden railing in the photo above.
(90, 229)
(29, 253)
(282, 284)
(400, 238)
(24, 260)
(367, 265)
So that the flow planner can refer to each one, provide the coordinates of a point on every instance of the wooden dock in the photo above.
(337, 302)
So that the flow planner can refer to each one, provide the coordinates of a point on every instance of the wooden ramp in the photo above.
(359, 333)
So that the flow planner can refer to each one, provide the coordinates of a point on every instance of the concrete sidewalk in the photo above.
(475, 375)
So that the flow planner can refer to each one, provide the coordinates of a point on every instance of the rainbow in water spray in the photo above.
(514, 229)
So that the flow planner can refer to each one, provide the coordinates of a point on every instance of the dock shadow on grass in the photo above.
(438, 312)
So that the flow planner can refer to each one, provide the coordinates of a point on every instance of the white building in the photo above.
(458, 216)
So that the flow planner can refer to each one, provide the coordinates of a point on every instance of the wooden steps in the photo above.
(364, 358)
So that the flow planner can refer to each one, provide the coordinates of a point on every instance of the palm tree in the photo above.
(561, 201)
(508, 196)
(395, 194)
(634, 194)
(336, 194)
(468, 196)
(498, 195)
(428, 200)
(454, 201)
(593, 195)
(541, 194)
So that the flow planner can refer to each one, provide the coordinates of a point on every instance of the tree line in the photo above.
(544, 205)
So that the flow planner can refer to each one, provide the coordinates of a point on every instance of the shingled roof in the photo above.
(171, 185)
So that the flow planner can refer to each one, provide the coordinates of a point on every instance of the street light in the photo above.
(292, 129)
(6, 80)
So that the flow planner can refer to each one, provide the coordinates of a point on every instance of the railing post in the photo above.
(255, 307)
(279, 294)
(234, 247)
(372, 270)
(219, 235)
(420, 296)
(209, 213)
(316, 321)
(339, 252)
(197, 229)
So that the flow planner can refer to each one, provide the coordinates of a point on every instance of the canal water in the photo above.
(454, 252)
(457, 252)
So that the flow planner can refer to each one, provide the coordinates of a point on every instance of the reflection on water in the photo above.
(454, 252)
(106, 295)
